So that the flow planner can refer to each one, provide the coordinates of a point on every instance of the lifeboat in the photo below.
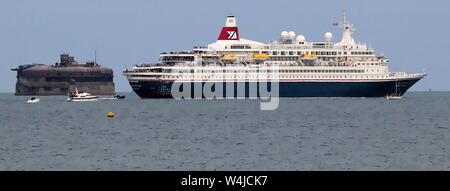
(261, 56)
(229, 57)
(309, 57)
(207, 55)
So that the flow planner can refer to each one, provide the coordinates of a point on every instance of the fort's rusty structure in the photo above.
(62, 78)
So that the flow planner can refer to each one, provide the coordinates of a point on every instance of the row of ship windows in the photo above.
(283, 53)
(362, 53)
(283, 58)
(272, 63)
(368, 64)
(256, 71)
(289, 58)
(319, 53)
(321, 71)
(240, 47)
(295, 58)
(282, 76)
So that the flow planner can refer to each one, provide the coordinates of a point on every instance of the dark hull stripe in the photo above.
(280, 80)
(162, 89)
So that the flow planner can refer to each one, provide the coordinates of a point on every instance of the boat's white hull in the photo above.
(33, 101)
(394, 97)
(81, 100)
(107, 98)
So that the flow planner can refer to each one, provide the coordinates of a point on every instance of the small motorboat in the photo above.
(393, 97)
(33, 100)
(81, 97)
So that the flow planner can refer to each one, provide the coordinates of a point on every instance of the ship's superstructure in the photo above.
(63, 78)
(303, 69)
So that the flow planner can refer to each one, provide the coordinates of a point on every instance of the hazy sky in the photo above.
(415, 35)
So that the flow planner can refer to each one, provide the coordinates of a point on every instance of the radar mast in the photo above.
(347, 31)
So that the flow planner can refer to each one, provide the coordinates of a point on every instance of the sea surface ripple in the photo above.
(166, 134)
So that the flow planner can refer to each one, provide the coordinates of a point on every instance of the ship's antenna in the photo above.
(344, 17)
(347, 29)
(95, 57)
(345, 23)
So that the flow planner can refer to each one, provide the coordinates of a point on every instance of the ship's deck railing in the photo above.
(404, 74)
(284, 46)
(150, 64)
(397, 74)
(178, 52)
(191, 64)
(200, 47)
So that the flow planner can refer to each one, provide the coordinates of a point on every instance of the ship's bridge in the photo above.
(236, 44)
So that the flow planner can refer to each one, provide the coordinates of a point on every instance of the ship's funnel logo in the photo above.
(232, 35)
(229, 33)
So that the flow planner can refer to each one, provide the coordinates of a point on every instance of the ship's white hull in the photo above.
(81, 100)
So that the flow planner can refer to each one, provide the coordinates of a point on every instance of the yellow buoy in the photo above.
(110, 114)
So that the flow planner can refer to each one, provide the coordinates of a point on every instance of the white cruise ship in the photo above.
(300, 68)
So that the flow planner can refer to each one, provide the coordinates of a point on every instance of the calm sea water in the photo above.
(165, 134)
